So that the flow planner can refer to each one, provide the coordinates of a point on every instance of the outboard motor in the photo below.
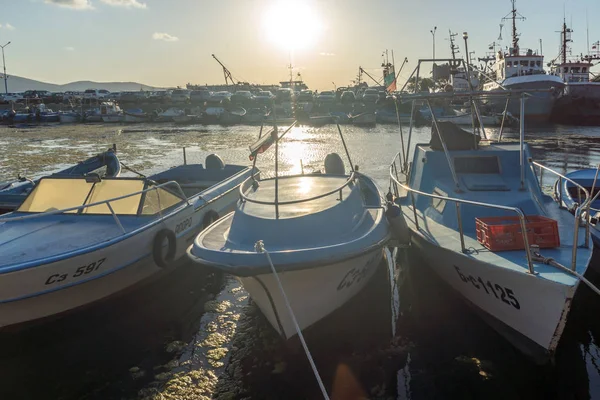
(213, 161)
(400, 231)
(334, 164)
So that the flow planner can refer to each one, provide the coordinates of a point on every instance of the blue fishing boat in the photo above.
(568, 193)
(476, 214)
(324, 234)
(76, 240)
(14, 192)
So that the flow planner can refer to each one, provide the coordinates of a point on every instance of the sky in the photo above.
(169, 42)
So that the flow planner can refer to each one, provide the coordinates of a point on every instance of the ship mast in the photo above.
(514, 16)
(453, 47)
(566, 38)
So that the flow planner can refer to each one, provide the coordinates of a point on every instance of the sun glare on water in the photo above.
(292, 25)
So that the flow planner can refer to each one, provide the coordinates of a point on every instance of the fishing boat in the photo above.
(69, 117)
(579, 103)
(269, 242)
(517, 70)
(136, 115)
(476, 214)
(14, 192)
(568, 194)
(364, 119)
(389, 116)
(77, 240)
(106, 108)
(44, 114)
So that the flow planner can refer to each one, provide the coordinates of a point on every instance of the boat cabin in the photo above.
(577, 71)
(513, 64)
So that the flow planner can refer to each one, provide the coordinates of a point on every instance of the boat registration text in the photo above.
(79, 272)
(503, 294)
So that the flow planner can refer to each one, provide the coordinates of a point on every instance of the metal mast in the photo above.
(453, 47)
(514, 16)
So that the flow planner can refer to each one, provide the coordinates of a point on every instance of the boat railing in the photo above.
(521, 215)
(251, 181)
(108, 204)
(586, 205)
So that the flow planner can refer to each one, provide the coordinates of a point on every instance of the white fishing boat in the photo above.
(77, 240)
(106, 108)
(478, 217)
(516, 70)
(271, 238)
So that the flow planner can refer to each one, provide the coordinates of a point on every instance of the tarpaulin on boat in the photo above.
(455, 137)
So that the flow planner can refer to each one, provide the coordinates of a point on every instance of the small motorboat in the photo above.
(170, 114)
(136, 115)
(255, 116)
(14, 192)
(478, 217)
(77, 240)
(69, 117)
(389, 116)
(324, 234)
(367, 119)
(568, 194)
(232, 116)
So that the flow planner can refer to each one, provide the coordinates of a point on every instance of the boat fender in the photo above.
(213, 161)
(398, 225)
(157, 248)
(334, 164)
(210, 217)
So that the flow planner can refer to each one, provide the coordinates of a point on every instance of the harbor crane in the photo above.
(226, 72)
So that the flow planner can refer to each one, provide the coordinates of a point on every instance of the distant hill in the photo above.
(19, 84)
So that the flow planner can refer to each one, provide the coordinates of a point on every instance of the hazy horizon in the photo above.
(168, 44)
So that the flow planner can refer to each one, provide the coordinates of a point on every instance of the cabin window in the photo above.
(532, 63)
(538, 63)
(584, 69)
(575, 70)
(565, 69)
(524, 63)
(477, 165)
(509, 63)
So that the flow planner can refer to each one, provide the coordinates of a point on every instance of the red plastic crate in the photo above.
(504, 233)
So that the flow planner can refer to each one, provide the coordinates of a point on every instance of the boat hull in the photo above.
(56, 285)
(330, 286)
(112, 118)
(539, 106)
(529, 312)
(69, 118)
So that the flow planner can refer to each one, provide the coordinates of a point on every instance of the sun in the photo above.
(292, 25)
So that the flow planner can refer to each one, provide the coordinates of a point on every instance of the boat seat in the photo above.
(484, 182)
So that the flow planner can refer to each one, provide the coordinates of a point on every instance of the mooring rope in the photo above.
(260, 248)
(551, 261)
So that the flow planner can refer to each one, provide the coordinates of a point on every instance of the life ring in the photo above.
(210, 217)
(157, 248)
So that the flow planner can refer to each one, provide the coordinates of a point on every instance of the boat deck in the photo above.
(296, 188)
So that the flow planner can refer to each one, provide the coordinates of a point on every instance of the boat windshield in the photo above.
(52, 194)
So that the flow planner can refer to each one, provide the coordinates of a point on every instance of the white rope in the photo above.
(260, 247)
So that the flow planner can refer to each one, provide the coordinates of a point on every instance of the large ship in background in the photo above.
(580, 101)
(515, 70)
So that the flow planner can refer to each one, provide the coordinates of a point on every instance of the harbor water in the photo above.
(195, 334)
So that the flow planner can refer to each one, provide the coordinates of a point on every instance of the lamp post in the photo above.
(433, 34)
(4, 64)
(334, 86)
